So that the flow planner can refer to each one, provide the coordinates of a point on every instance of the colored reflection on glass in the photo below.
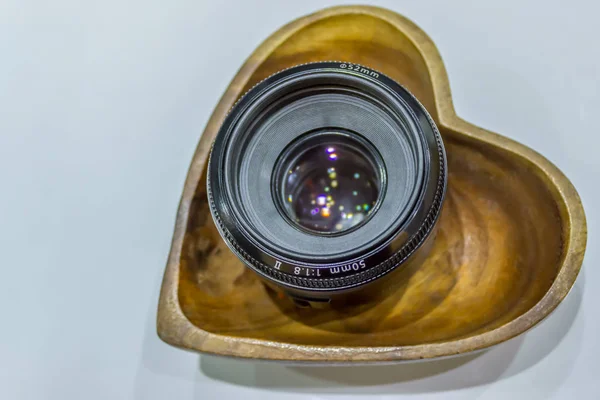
(331, 188)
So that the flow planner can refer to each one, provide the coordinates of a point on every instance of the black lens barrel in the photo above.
(385, 138)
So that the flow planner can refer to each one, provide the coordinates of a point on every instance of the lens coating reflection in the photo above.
(331, 186)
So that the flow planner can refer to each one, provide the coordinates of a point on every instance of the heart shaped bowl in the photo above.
(510, 244)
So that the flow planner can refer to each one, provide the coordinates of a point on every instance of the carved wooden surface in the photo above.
(511, 239)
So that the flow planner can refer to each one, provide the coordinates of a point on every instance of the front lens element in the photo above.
(329, 183)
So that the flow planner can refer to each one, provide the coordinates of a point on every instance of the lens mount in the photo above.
(292, 227)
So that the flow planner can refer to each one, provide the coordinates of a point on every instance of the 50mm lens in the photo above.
(325, 178)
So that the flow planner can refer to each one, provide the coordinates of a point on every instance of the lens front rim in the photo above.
(252, 152)
(350, 272)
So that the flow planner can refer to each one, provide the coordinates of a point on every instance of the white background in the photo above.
(101, 106)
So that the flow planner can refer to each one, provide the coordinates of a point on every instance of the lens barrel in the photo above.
(325, 178)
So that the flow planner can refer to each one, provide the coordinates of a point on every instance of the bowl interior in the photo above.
(497, 253)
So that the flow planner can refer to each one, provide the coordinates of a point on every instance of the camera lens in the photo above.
(329, 182)
(327, 178)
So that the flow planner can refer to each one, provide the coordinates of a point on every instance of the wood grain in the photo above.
(510, 244)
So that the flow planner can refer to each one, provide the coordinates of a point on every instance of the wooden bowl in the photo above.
(510, 244)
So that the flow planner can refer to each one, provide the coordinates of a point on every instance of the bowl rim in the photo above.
(174, 328)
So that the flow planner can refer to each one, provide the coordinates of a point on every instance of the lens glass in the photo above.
(330, 184)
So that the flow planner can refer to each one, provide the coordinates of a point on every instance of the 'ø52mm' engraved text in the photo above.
(359, 68)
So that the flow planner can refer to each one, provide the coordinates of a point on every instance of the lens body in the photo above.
(325, 179)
